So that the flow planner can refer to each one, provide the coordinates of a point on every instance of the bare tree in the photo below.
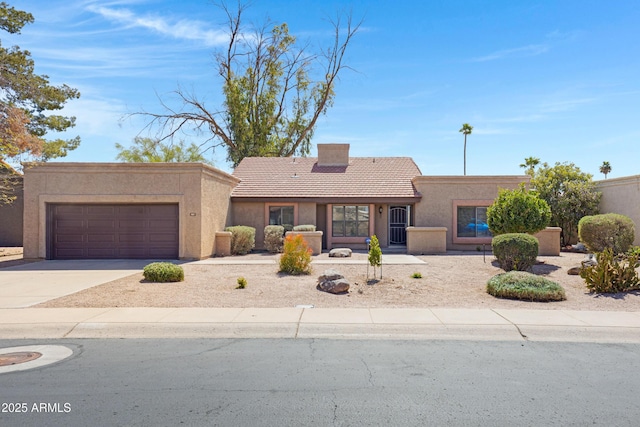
(271, 104)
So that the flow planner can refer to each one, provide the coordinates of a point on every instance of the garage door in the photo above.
(112, 231)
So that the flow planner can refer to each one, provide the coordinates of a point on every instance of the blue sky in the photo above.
(558, 79)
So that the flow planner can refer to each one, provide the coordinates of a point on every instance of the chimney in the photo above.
(333, 154)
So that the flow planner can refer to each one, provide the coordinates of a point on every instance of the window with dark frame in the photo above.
(472, 222)
(350, 221)
(281, 215)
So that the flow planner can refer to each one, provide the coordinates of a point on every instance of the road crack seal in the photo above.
(526, 338)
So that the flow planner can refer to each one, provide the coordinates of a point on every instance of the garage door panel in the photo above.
(71, 224)
(164, 211)
(70, 253)
(113, 231)
(100, 238)
(162, 224)
(100, 210)
(133, 210)
(101, 253)
(70, 238)
(130, 224)
(69, 209)
(162, 238)
(133, 252)
(101, 224)
(132, 238)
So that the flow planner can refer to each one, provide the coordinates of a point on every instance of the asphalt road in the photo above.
(284, 382)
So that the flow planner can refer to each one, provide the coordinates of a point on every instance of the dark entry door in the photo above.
(91, 231)
(398, 222)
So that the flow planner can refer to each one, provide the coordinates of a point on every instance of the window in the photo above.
(350, 221)
(281, 215)
(472, 222)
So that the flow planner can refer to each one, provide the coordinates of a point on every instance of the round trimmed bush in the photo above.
(524, 286)
(163, 272)
(518, 211)
(515, 251)
(611, 230)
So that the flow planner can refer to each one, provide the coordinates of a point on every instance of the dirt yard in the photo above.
(452, 280)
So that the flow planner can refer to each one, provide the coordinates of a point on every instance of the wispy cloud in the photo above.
(185, 29)
(518, 52)
(565, 105)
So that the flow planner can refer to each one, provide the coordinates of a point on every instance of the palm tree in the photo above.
(605, 169)
(530, 164)
(466, 130)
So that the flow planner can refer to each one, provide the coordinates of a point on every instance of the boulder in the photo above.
(339, 286)
(340, 253)
(574, 271)
(330, 274)
(333, 281)
(587, 262)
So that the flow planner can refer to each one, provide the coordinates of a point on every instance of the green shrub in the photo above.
(243, 239)
(242, 283)
(305, 227)
(611, 230)
(515, 251)
(518, 211)
(416, 275)
(634, 251)
(524, 286)
(273, 238)
(612, 274)
(163, 272)
(296, 255)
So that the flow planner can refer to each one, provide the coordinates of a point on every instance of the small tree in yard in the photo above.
(375, 256)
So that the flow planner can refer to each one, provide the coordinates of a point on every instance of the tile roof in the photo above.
(301, 177)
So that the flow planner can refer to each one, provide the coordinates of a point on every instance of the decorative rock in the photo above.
(340, 253)
(339, 286)
(574, 271)
(579, 247)
(333, 282)
(329, 275)
(587, 262)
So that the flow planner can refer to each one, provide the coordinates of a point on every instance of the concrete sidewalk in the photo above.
(26, 285)
(362, 323)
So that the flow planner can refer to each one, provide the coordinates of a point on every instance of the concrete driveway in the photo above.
(34, 283)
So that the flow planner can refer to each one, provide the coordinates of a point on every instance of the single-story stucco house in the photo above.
(180, 210)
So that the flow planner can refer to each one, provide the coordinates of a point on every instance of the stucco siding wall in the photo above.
(381, 226)
(622, 196)
(307, 214)
(116, 183)
(215, 210)
(435, 209)
(251, 214)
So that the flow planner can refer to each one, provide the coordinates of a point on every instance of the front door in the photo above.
(398, 223)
